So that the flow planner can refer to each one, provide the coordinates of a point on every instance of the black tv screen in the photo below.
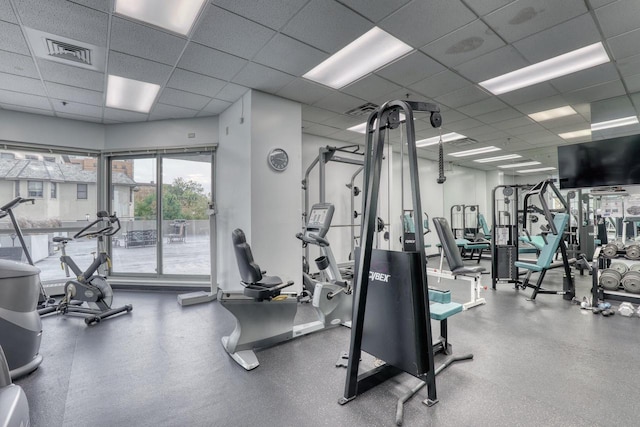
(607, 162)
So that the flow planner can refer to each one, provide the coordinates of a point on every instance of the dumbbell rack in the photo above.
(597, 292)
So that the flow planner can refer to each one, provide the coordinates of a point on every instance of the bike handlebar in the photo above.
(104, 231)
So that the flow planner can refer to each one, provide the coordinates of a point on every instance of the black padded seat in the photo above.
(59, 239)
(268, 281)
(450, 248)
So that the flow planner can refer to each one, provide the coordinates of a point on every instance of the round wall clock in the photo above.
(278, 159)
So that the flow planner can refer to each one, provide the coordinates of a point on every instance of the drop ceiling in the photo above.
(237, 45)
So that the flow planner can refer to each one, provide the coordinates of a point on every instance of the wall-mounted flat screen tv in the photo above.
(607, 162)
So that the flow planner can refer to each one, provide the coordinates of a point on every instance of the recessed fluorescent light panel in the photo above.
(580, 59)
(475, 151)
(536, 170)
(624, 121)
(127, 94)
(175, 15)
(575, 134)
(553, 114)
(365, 54)
(447, 137)
(518, 165)
(499, 158)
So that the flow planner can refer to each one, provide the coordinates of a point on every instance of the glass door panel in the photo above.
(186, 192)
(134, 199)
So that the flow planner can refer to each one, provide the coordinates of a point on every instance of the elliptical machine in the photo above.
(89, 287)
(264, 316)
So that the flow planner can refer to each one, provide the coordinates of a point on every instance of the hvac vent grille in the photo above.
(362, 110)
(462, 142)
(68, 52)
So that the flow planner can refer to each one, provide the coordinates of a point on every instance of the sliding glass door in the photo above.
(163, 203)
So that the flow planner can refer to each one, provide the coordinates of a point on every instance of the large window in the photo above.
(82, 192)
(35, 189)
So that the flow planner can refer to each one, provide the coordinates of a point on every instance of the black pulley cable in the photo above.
(441, 177)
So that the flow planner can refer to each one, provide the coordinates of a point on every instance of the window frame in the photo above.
(86, 191)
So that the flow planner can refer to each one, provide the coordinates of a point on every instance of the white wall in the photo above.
(162, 133)
(37, 129)
(233, 187)
(276, 196)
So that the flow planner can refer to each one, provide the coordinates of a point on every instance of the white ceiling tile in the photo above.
(14, 63)
(461, 125)
(599, 3)
(216, 106)
(304, 91)
(210, 62)
(74, 94)
(421, 22)
(612, 108)
(231, 33)
(482, 7)
(11, 39)
(575, 120)
(498, 116)
(162, 111)
(21, 84)
(522, 130)
(289, 55)
(231, 92)
(26, 109)
(135, 68)
(371, 87)
(411, 68)
(596, 93)
(79, 117)
(481, 107)
(24, 100)
(66, 19)
(528, 94)
(525, 17)
(400, 94)
(347, 136)
(146, 42)
(72, 76)
(543, 104)
(439, 84)
(629, 66)
(274, 13)
(183, 99)
(327, 25)
(464, 96)
(464, 44)
(102, 5)
(492, 64)
(374, 10)
(315, 114)
(625, 45)
(571, 35)
(513, 123)
(339, 102)
(78, 109)
(320, 130)
(195, 83)
(592, 76)
(262, 78)
(343, 122)
(480, 131)
(124, 115)
(633, 83)
(6, 12)
(619, 17)
(452, 116)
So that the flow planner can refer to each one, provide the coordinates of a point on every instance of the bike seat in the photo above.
(62, 239)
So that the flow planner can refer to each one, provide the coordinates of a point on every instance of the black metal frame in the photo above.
(387, 117)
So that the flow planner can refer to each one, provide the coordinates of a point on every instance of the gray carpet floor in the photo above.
(542, 363)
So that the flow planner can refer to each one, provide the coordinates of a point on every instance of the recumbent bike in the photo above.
(264, 316)
(89, 286)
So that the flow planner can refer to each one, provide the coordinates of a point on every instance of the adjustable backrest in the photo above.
(553, 241)
(448, 243)
(484, 225)
(249, 270)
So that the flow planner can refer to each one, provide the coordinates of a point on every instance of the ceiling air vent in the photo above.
(362, 110)
(63, 50)
(69, 52)
(462, 142)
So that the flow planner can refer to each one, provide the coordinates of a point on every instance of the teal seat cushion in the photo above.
(526, 265)
(527, 250)
(436, 295)
(442, 311)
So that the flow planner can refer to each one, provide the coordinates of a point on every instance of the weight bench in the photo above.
(458, 271)
(544, 261)
(465, 245)
(14, 408)
(536, 244)
(441, 308)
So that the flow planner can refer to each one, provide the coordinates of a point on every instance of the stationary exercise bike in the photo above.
(89, 286)
(265, 316)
